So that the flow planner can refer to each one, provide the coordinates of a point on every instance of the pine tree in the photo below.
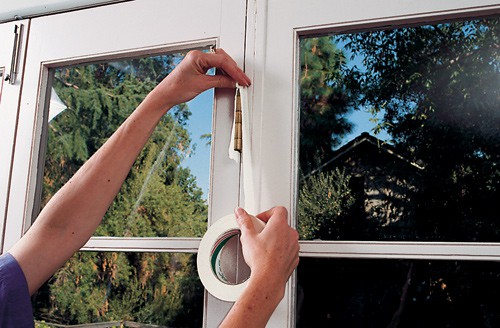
(437, 87)
(324, 101)
(158, 198)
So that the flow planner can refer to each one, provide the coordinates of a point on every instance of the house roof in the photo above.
(363, 139)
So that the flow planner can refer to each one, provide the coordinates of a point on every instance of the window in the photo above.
(13, 36)
(123, 288)
(356, 197)
(393, 227)
(396, 293)
(413, 110)
(161, 196)
(410, 112)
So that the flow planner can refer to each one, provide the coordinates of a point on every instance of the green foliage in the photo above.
(158, 198)
(325, 206)
(438, 87)
(436, 90)
(141, 287)
(324, 100)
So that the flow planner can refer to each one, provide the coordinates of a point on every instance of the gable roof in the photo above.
(367, 139)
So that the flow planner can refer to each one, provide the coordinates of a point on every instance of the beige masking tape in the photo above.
(245, 159)
(210, 255)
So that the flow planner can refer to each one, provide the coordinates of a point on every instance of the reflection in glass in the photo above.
(400, 134)
(160, 197)
(397, 293)
(127, 288)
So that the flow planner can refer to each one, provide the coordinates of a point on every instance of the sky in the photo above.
(198, 124)
(361, 123)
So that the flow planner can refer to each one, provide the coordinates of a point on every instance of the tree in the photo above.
(158, 198)
(326, 205)
(438, 89)
(437, 86)
(325, 98)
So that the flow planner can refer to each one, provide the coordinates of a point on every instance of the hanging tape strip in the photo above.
(245, 157)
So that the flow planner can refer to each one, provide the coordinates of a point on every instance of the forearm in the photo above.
(82, 202)
(74, 212)
(70, 218)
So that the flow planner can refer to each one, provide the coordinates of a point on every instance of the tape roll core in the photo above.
(216, 257)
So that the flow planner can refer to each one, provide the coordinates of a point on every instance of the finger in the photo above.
(275, 212)
(223, 61)
(244, 222)
(225, 57)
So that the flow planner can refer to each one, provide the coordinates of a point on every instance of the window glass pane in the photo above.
(397, 293)
(147, 288)
(400, 134)
(166, 191)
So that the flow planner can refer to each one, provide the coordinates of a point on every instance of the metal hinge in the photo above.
(238, 127)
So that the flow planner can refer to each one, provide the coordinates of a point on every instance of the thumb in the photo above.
(244, 221)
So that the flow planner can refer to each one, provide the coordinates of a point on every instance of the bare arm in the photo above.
(272, 255)
(70, 218)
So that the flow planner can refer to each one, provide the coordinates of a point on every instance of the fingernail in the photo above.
(239, 212)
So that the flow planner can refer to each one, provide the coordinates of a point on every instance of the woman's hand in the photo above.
(189, 78)
(272, 255)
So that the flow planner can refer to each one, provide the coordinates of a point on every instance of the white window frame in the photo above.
(9, 109)
(284, 148)
(13, 10)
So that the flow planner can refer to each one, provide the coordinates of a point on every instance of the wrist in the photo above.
(261, 296)
(158, 102)
(271, 290)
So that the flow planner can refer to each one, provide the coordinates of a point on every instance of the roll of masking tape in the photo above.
(221, 267)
